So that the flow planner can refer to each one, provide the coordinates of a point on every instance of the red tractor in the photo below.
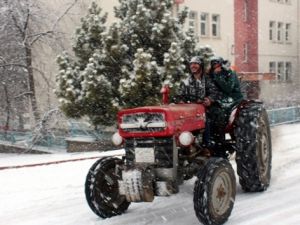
(163, 147)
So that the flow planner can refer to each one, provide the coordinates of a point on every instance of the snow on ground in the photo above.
(54, 194)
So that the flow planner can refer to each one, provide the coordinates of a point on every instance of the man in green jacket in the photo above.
(219, 102)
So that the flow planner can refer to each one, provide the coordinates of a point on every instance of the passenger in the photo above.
(220, 99)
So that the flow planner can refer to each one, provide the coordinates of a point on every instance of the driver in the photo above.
(192, 89)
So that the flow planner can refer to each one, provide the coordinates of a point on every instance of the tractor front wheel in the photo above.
(214, 192)
(102, 190)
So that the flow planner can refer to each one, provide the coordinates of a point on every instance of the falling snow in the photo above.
(54, 194)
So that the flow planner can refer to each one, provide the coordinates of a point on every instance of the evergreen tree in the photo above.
(116, 61)
(143, 86)
(206, 53)
(96, 93)
(83, 87)
(150, 25)
(126, 65)
(69, 87)
(89, 37)
(173, 65)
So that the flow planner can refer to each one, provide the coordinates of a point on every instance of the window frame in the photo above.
(272, 67)
(272, 30)
(280, 71)
(193, 19)
(245, 52)
(280, 31)
(287, 33)
(205, 23)
(215, 25)
(246, 10)
(288, 69)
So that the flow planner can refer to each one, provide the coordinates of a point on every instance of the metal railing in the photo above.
(284, 115)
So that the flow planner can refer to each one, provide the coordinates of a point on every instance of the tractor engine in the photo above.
(158, 141)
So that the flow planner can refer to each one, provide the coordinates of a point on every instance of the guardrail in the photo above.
(284, 115)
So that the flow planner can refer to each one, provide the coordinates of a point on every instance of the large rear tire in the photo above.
(102, 191)
(254, 148)
(214, 192)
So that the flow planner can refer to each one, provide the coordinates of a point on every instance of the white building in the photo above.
(275, 47)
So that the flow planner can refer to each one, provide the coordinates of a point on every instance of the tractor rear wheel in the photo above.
(254, 148)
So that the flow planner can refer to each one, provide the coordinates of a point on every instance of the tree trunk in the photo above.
(28, 52)
(7, 111)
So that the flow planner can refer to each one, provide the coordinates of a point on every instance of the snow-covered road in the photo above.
(54, 194)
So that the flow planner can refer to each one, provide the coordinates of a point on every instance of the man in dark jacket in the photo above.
(220, 100)
(192, 89)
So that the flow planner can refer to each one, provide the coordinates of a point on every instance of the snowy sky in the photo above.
(54, 194)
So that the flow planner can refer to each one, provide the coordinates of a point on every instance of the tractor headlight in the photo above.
(117, 140)
(186, 138)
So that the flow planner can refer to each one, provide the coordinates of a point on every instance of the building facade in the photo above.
(279, 51)
(213, 24)
(255, 35)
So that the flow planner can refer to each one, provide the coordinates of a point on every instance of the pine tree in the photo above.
(150, 25)
(89, 37)
(173, 65)
(96, 93)
(206, 53)
(69, 87)
(127, 64)
(143, 86)
(83, 87)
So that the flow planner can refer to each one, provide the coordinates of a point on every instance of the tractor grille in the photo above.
(143, 122)
(163, 150)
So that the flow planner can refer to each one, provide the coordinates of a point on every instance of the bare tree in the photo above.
(25, 25)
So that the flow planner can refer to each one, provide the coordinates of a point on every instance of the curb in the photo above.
(48, 163)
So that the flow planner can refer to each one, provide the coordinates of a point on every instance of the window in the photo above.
(245, 52)
(204, 24)
(272, 67)
(280, 71)
(288, 32)
(282, 1)
(192, 15)
(193, 21)
(279, 32)
(272, 31)
(215, 25)
(245, 10)
(288, 71)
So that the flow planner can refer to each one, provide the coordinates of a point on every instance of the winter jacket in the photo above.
(226, 91)
(192, 90)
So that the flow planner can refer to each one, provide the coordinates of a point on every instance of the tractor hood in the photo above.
(160, 121)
